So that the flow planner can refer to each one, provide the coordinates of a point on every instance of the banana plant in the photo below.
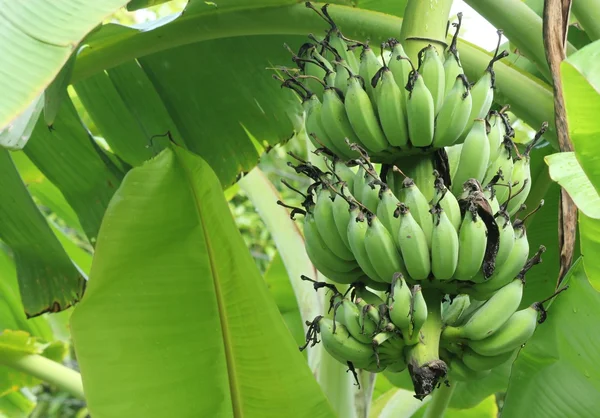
(118, 141)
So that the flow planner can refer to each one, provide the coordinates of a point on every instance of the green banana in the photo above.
(490, 317)
(513, 334)
(413, 245)
(343, 345)
(489, 193)
(452, 66)
(401, 67)
(311, 66)
(473, 241)
(477, 362)
(335, 121)
(357, 230)
(420, 110)
(400, 302)
(432, 69)
(368, 67)
(495, 135)
(344, 173)
(370, 194)
(521, 173)
(503, 164)
(390, 108)
(418, 204)
(341, 217)
(324, 218)
(507, 237)
(319, 252)
(452, 70)
(359, 183)
(418, 313)
(362, 117)
(336, 41)
(448, 202)
(381, 249)
(482, 92)
(454, 114)
(454, 308)
(397, 366)
(506, 272)
(473, 157)
(460, 372)
(444, 246)
(341, 75)
(314, 124)
(351, 314)
(388, 202)
(368, 296)
(469, 311)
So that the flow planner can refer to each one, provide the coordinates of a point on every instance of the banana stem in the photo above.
(424, 364)
(440, 398)
(424, 23)
(47, 370)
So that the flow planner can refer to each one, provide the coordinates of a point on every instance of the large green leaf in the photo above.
(37, 39)
(48, 280)
(236, 45)
(566, 171)
(557, 373)
(581, 85)
(68, 157)
(176, 301)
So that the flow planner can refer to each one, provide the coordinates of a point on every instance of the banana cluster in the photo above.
(359, 228)
(383, 102)
(420, 201)
(369, 332)
(481, 335)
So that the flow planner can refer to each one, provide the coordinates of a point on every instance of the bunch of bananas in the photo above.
(419, 201)
(383, 102)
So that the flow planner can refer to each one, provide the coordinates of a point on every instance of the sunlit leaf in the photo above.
(557, 373)
(37, 39)
(566, 171)
(175, 300)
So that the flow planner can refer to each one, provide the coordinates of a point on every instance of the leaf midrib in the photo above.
(229, 357)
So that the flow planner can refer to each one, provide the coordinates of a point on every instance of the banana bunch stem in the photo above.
(424, 364)
(440, 398)
(424, 23)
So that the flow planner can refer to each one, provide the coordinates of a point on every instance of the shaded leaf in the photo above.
(126, 109)
(566, 171)
(557, 373)
(68, 157)
(56, 92)
(175, 300)
(45, 193)
(39, 37)
(282, 293)
(48, 280)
